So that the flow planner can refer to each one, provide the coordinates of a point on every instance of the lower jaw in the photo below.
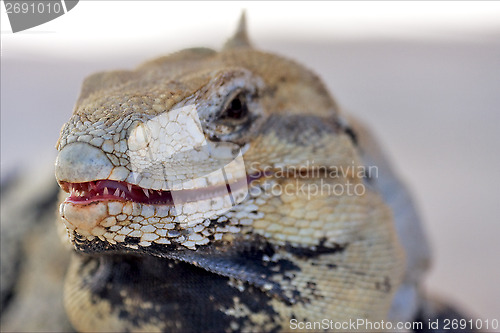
(101, 216)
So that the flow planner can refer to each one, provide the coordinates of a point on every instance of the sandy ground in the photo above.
(435, 106)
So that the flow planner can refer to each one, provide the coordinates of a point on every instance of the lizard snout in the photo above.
(80, 162)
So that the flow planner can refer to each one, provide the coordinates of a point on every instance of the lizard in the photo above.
(189, 197)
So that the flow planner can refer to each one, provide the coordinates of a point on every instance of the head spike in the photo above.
(240, 38)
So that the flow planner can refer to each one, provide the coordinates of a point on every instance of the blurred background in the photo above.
(424, 75)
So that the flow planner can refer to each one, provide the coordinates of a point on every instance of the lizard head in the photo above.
(236, 162)
(163, 154)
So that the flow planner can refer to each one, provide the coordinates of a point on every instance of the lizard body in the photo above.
(160, 245)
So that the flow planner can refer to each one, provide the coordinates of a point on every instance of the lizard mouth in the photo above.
(107, 190)
(114, 210)
(111, 190)
(83, 193)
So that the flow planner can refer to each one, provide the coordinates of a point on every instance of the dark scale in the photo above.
(185, 298)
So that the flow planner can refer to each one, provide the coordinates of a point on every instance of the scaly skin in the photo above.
(217, 261)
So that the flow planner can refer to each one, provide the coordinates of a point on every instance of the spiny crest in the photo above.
(240, 38)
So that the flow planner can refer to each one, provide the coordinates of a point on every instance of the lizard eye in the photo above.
(231, 109)
(237, 109)
(235, 118)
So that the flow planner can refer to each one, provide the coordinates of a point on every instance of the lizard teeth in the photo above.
(105, 191)
(117, 193)
(129, 187)
(146, 192)
(122, 195)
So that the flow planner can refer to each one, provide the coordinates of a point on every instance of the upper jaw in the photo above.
(80, 162)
